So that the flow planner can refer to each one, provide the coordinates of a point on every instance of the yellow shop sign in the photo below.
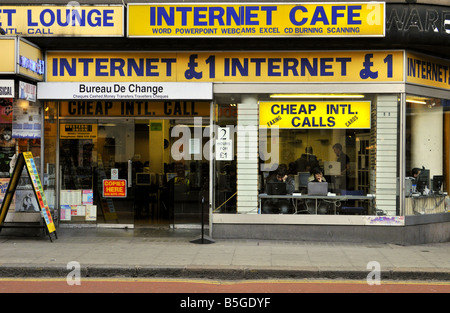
(69, 20)
(232, 66)
(315, 114)
(427, 71)
(257, 20)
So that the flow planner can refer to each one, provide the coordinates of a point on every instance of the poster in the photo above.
(27, 122)
(6, 110)
(65, 213)
(91, 212)
(26, 201)
(3, 187)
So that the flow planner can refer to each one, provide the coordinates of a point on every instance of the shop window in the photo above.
(225, 194)
(20, 131)
(427, 155)
(318, 157)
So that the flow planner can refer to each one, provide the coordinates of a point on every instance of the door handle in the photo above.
(130, 173)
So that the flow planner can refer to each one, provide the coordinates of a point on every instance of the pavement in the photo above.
(170, 253)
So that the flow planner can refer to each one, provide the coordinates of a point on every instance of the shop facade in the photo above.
(144, 137)
(21, 121)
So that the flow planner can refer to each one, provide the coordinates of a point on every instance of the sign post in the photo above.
(26, 159)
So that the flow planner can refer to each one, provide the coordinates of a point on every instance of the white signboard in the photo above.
(125, 91)
(224, 145)
(6, 88)
(27, 91)
(114, 173)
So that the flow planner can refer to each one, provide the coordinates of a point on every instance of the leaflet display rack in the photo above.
(26, 159)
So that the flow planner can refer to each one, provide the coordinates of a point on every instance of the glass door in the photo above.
(115, 156)
(95, 164)
(134, 172)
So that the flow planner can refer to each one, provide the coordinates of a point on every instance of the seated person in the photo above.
(322, 207)
(415, 172)
(316, 175)
(276, 206)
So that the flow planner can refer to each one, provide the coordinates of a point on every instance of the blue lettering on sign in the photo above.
(9, 13)
(34, 66)
(230, 67)
(424, 69)
(352, 15)
(68, 17)
(113, 66)
(211, 16)
(319, 16)
(274, 66)
(292, 16)
(338, 12)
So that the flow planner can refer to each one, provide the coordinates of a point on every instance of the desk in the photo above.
(429, 204)
(332, 199)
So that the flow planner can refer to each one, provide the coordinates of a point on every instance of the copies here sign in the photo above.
(114, 188)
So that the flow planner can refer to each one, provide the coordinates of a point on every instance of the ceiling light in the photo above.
(416, 101)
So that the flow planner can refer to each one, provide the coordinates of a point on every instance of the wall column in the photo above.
(247, 155)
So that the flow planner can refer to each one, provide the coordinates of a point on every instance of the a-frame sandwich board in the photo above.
(26, 159)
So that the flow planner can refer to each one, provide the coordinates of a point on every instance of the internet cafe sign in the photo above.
(334, 19)
(125, 91)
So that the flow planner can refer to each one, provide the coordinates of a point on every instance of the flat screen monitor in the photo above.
(332, 168)
(276, 188)
(143, 179)
(303, 179)
(171, 175)
(423, 180)
(438, 180)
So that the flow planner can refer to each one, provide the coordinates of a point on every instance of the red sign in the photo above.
(114, 188)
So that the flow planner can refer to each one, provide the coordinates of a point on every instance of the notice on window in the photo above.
(116, 188)
(78, 131)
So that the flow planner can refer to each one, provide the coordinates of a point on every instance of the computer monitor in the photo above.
(143, 179)
(276, 188)
(332, 168)
(438, 180)
(423, 180)
(171, 175)
(303, 179)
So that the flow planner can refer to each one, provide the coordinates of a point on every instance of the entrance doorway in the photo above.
(159, 161)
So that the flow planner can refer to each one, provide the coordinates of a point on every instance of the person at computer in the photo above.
(275, 206)
(317, 175)
(281, 175)
(415, 172)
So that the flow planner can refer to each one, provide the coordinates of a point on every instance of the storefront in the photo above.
(21, 121)
(125, 157)
(150, 135)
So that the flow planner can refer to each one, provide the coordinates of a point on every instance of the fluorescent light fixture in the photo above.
(316, 95)
(416, 101)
